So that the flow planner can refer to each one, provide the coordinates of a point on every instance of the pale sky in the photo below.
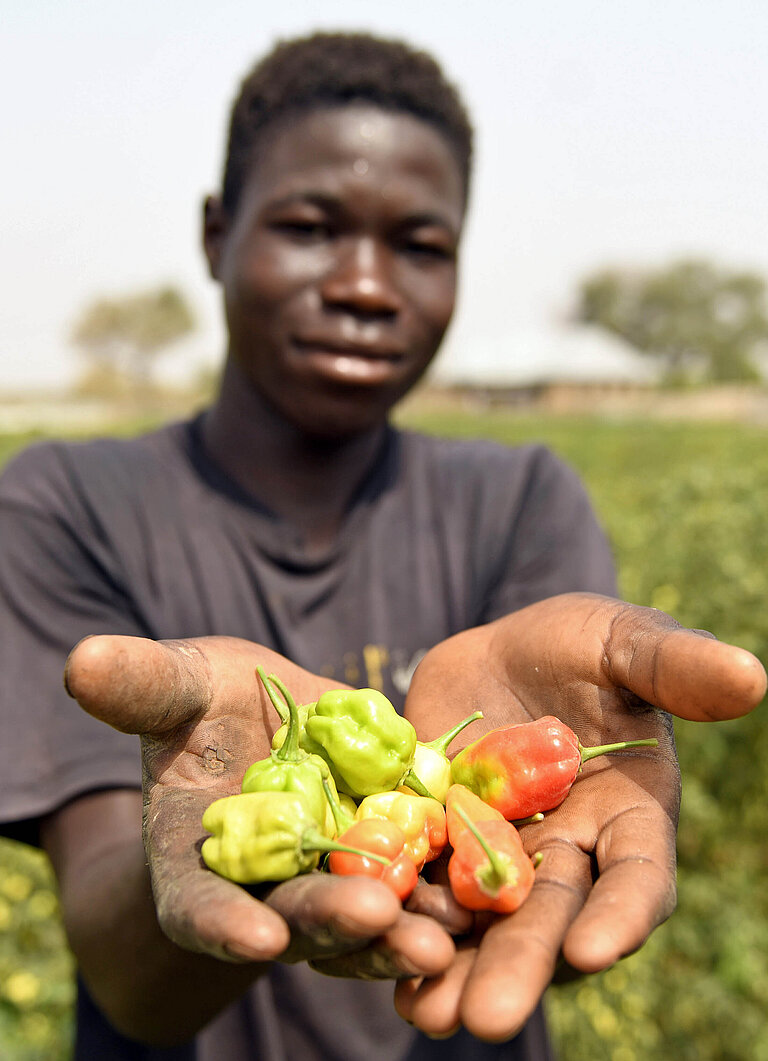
(608, 132)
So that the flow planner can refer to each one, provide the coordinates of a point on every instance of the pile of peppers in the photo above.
(348, 781)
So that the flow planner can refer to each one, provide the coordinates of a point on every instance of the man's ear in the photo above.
(215, 228)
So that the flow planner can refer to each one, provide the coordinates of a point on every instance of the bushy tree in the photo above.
(122, 336)
(705, 322)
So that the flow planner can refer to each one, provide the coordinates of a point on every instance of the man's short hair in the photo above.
(332, 69)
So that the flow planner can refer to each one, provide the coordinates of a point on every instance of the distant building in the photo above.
(559, 367)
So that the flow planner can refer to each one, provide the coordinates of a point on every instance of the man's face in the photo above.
(339, 264)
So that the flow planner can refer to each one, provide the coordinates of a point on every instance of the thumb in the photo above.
(686, 672)
(138, 685)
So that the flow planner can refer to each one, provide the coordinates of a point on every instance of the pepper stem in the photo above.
(497, 873)
(343, 820)
(312, 840)
(440, 744)
(289, 750)
(603, 749)
(537, 817)
(279, 705)
(411, 781)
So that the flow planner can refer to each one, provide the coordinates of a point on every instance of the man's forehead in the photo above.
(362, 126)
(366, 140)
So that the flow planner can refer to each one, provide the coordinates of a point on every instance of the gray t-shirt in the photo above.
(148, 537)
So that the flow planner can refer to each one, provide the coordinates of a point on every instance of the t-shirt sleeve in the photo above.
(58, 584)
(550, 542)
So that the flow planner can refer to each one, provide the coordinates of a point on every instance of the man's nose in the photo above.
(361, 280)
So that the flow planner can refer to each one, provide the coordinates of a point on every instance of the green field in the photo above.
(686, 508)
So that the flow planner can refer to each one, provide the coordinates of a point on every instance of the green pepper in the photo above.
(265, 836)
(367, 745)
(302, 710)
(289, 768)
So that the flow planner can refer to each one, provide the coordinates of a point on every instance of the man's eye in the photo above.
(304, 230)
(429, 250)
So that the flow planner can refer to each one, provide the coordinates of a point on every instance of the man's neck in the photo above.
(309, 482)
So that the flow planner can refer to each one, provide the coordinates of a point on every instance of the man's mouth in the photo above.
(364, 363)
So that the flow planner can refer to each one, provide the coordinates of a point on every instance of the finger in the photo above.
(329, 915)
(516, 958)
(138, 685)
(685, 672)
(153, 687)
(437, 901)
(414, 946)
(634, 893)
(432, 1005)
(594, 639)
(203, 912)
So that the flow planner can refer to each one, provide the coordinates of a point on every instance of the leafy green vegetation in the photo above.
(686, 507)
(36, 973)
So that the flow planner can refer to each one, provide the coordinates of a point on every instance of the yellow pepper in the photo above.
(431, 764)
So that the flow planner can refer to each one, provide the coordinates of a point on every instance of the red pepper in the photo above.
(528, 767)
(489, 869)
(381, 838)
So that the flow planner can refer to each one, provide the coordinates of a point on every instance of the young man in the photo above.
(290, 525)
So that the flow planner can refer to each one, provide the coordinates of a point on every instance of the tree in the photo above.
(705, 322)
(123, 336)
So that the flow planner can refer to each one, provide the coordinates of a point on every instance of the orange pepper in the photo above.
(476, 809)
(422, 820)
(489, 869)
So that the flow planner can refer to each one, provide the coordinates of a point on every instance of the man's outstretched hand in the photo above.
(204, 718)
(607, 877)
